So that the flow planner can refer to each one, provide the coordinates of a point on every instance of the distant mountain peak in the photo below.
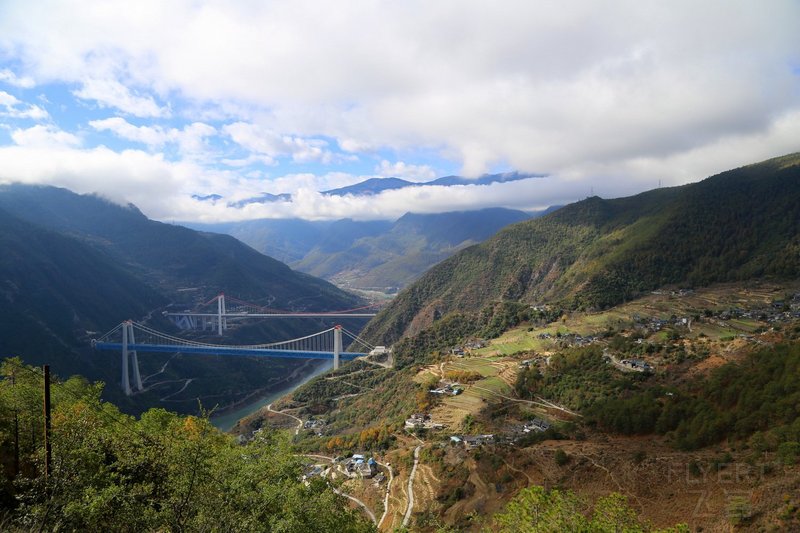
(377, 185)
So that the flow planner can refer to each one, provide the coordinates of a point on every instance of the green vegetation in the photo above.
(456, 328)
(383, 398)
(162, 472)
(463, 376)
(536, 510)
(759, 399)
(167, 256)
(576, 377)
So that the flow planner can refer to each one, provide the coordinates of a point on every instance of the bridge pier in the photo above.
(137, 377)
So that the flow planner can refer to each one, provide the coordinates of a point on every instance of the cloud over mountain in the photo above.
(245, 97)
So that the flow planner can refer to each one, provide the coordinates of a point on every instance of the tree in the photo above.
(162, 472)
(536, 510)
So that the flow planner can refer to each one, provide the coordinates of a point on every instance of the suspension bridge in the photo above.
(227, 309)
(130, 338)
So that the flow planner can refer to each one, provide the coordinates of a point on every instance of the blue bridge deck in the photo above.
(227, 350)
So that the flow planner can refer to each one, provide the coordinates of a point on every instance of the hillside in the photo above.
(737, 225)
(170, 256)
(290, 240)
(661, 399)
(55, 289)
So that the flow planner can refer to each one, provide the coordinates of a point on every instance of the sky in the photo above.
(162, 103)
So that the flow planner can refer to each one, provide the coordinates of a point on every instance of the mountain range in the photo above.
(740, 224)
(373, 186)
(377, 185)
(376, 254)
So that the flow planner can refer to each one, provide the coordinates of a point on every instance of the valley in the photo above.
(378, 256)
(608, 359)
(399, 267)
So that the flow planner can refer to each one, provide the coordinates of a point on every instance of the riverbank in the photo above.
(227, 420)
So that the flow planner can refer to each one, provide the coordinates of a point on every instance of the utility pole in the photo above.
(48, 448)
(16, 427)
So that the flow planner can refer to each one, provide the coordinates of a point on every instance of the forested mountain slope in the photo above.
(54, 288)
(170, 256)
(739, 224)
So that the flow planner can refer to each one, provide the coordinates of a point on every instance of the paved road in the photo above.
(410, 507)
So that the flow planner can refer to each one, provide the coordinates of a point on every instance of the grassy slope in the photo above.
(596, 253)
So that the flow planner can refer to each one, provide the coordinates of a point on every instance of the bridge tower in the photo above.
(128, 338)
(337, 345)
(221, 320)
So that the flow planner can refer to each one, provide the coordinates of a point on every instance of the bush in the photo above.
(789, 452)
(561, 457)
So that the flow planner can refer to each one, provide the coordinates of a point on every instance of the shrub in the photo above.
(561, 457)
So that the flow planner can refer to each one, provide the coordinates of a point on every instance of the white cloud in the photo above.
(8, 100)
(399, 169)
(162, 189)
(529, 84)
(151, 136)
(8, 76)
(269, 145)
(112, 93)
(41, 136)
(612, 96)
(191, 140)
(11, 106)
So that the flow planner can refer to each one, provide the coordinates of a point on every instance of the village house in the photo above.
(472, 441)
(417, 420)
(422, 421)
(536, 425)
(313, 424)
(450, 388)
(358, 465)
(637, 364)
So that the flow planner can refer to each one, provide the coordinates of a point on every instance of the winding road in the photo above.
(299, 422)
(359, 502)
(410, 508)
(387, 466)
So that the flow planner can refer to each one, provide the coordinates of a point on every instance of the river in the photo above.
(226, 422)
